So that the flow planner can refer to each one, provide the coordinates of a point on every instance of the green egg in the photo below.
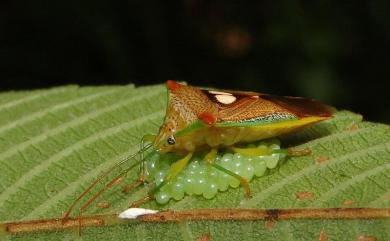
(274, 147)
(259, 166)
(211, 173)
(200, 185)
(262, 145)
(272, 160)
(189, 183)
(238, 165)
(222, 181)
(194, 165)
(159, 176)
(233, 182)
(177, 190)
(162, 197)
(273, 142)
(237, 156)
(226, 159)
(200, 178)
(201, 171)
(247, 172)
(210, 190)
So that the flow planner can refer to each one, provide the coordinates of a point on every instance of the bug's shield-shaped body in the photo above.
(202, 118)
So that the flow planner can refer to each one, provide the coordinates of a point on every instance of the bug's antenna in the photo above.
(100, 178)
(143, 148)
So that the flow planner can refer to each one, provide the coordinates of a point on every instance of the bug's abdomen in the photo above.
(228, 136)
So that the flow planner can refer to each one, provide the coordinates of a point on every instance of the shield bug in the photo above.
(206, 121)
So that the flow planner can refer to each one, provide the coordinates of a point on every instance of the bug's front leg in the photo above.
(174, 170)
(211, 155)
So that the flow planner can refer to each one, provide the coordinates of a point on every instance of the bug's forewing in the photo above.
(240, 107)
(301, 107)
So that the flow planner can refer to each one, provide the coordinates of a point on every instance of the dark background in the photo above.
(334, 51)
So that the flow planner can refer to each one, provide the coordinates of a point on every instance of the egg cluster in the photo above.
(200, 178)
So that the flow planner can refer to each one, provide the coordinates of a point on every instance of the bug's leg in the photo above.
(86, 204)
(298, 152)
(253, 151)
(210, 158)
(112, 183)
(242, 180)
(211, 155)
(265, 151)
(141, 177)
(173, 171)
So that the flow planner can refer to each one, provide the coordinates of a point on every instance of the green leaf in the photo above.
(55, 142)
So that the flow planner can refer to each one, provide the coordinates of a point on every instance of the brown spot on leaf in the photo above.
(304, 195)
(269, 224)
(204, 237)
(366, 238)
(347, 202)
(323, 236)
(322, 159)
(103, 204)
(271, 218)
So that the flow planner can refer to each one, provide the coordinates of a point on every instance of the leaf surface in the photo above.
(55, 142)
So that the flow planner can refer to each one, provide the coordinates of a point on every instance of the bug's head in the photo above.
(185, 105)
(166, 141)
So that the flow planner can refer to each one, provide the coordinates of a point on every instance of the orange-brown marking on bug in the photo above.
(103, 204)
(207, 118)
(173, 85)
(366, 238)
(304, 195)
(321, 160)
(347, 203)
(204, 237)
(323, 236)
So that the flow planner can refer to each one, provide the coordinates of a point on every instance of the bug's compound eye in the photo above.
(171, 140)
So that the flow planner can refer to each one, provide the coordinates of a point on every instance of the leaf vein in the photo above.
(29, 98)
(341, 186)
(13, 188)
(74, 123)
(264, 194)
(48, 110)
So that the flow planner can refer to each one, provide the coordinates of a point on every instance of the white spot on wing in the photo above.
(133, 213)
(225, 99)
